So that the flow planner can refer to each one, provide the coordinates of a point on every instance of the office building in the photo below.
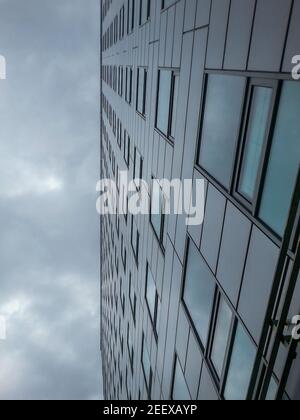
(202, 89)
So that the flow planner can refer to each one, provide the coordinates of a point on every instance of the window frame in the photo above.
(219, 383)
(148, 385)
(141, 165)
(132, 303)
(142, 112)
(135, 252)
(204, 346)
(160, 237)
(175, 364)
(254, 82)
(175, 73)
(230, 194)
(153, 319)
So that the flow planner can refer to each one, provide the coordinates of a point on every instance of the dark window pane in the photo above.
(163, 105)
(260, 109)
(175, 102)
(141, 90)
(146, 366)
(157, 209)
(221, 123)
(180, 389)
(221, 337)
(151, 294)
(284, 161)
(199, 292)
(241, 366)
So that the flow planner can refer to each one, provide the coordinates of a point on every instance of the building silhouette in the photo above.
(195, 89)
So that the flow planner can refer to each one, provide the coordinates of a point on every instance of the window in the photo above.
(122, 296)
(199, 290)
(141, 91)
(123, 253)
(241, 366)
(130, 15)
(128, 87)
(119, 133)
(132, 298)
(135, 239)
(259, 113)
(120, 81)
(152, 299)
(138, 167)
(167, 98)
(130, 347)
(126, 148)
(221, 126)
(157, 216)
(283, 162)
(167, 3)
(180, 390)
(221, 337)
(146, 365)
(144, 11)
(122, 17)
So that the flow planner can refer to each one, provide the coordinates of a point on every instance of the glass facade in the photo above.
(241, 366)
(221, 125)
(283, 163)
(209, 99)
(257, 126)
(199, 292)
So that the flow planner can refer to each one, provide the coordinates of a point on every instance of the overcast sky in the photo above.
(49, 165)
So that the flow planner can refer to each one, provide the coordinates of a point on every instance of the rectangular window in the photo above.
(241, 366)
(141, 91)
(168, 83)
(199, 290)
(132, 298)
(120, 84)
(257, 128)
(284, 159)
(126, 148)
(157, 216)
(138, 167)
(130, 347)
(221, 336)
(221, 126)
(180, 390)
(152, 299)
(128, 94)
(135, 239)
(123, 253)
(144, 11)
(146, 365)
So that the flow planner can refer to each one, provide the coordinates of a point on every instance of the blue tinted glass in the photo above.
(241, 366)
(146, 364)
(199, 292)
(284, 161)
(151, 294)
(221, 123)
(157, 208)
(221, 337)
(260, 109)
(163, 106)
(180, 390)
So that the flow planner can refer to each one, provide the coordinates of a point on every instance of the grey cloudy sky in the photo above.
(49, 165)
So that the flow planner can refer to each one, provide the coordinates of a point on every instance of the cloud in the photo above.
(49, 165)
(20, 178)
